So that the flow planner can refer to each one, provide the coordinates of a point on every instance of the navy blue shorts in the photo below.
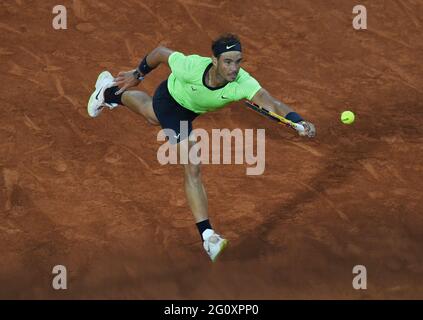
(170, 114)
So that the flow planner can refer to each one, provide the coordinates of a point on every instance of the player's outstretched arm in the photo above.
(131, 78)
(156, 57)
(265, 100)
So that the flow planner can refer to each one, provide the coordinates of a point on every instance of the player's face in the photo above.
(229, 64)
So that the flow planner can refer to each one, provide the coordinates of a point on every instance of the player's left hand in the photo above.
(309, 129)
(126, 80)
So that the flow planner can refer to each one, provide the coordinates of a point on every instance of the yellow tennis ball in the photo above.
(347, 117)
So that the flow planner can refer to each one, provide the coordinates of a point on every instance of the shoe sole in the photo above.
(94, 94)
(223, 245)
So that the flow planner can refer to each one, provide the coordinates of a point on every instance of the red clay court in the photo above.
(90, 194)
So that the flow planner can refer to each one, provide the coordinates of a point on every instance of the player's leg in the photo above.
(104, 96)
(195, 191)
(196, 195)
(140, 103)
(137, 101)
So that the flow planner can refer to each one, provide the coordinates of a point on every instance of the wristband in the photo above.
(144, 68)
(294, 117)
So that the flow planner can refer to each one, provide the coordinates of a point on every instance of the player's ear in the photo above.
(214, 61)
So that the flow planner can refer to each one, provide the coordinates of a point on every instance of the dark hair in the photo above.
(223, 40)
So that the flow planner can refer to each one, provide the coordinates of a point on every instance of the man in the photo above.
(196, 85)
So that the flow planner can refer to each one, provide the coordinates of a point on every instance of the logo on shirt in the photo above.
(226, 98)
(193, 89)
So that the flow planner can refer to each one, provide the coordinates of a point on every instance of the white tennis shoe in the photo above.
(96, 103)
(213, 243)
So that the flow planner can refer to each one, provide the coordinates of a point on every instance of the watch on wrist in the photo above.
(137, 75)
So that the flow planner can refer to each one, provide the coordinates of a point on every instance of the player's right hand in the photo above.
(309, 129)
(126, 80)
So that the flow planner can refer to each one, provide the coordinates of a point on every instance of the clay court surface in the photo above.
(90, 194)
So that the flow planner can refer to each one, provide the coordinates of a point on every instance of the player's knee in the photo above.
(136, 97)
(192, 171)
(154, 122)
